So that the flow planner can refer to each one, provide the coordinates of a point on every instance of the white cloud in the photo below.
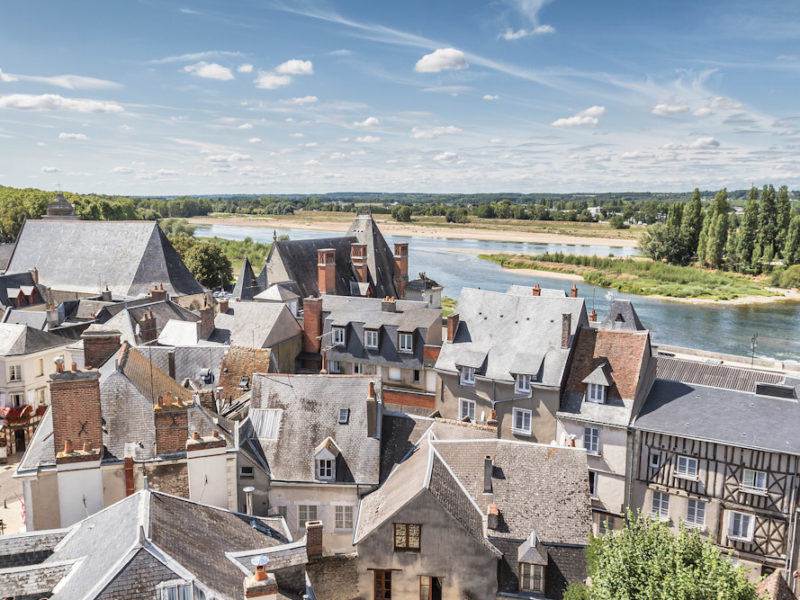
(297, 135)
(453, 90)
(122, 170)
(254, 140)
(427, 134)
(245, 68)
(704, 142)
(702, 112)
(271, 81)
(72, 136)
(446, 157)
(337, 156)
(194, 56)
(56, 102)
(491, 97)
(225, 158)
(311, 163)
(368, 122)
(245, 126)
(311, 145)
(442, 59)
(541, 29)
(664, 109)
(296, 67)
(209, 71)
(368, 139)
(585, 118)
(51, 170)
(167, 173)
(301, 101)
(723, 103)
(511, 34)
(6, 78)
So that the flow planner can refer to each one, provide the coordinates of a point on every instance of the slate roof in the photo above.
(621, 316)
(277, 292)
(526, 290)
(17, 340)
(714, 375)
(32, 318)
(309, 406)
(11, 284)
(259, 324)
(176, 534)
(127, 317)
(495, 327)
(6, 250)
(247, 285)
(85, 256)
(191, 362)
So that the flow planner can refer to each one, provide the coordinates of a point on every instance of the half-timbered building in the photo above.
(716, 447)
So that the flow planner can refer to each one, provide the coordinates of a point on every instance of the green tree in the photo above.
(702, 241)
(767, 218)
(209, 265)
(748, 231)
(402, 213)
(693, 221)
(647, 561)
(618, 222)
(755, 260)
(791, 249)
(716, 248)
(783, 218)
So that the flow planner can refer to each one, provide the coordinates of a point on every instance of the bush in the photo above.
(401, 213)
(618, 222)
(790, 278)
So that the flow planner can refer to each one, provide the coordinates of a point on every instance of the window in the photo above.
(660, 507)
(325, 469)
(344, 517)
(607, 525)
(15, 373)
(39, 367)
(358, 368)
(531, 578)
(466, 408)
(246, 472)
(407, 536)
(305, 513)
(754, 481)
(17, 399)
(591, 440)
(406, 342)
(522, 384)
(371, 339)
(467, 376)
(338, 336)
(334, 366)
(596, 393)
(695, 513)
(39, 395)
(522, 421)
(687, 467)
(740, 526)
(176, 591)
(593, 484)
(395, 374)
(383, 584)
(430, 588)
(344, 415)
(281, 511)
(416, 375)
(655, 460)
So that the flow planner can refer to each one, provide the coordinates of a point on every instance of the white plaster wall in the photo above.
(80, 491)
(208, 476)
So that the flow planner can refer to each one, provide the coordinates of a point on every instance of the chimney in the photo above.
(388, 305)
(492, 421)
(223, 306)
(492, 516)
(171, 363)
(148, 331)
(593, 316)
(99, 346)
(572, 441)
(248, 494)
(326, 270)
(128, 470)
(52, 317)
(372, 411)
(488, 468)
(261, 585)
(171, 422)
(312, 325)
(314, 539)
(566, 327)
(401, 269)
(76, 410)
(106, 295)
(206, 321)
(452, 327)
(158, 293)
(574, 291)
(537, 291)
(358, 257)
(34, 275)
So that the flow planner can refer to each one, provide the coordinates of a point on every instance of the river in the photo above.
(719, 328)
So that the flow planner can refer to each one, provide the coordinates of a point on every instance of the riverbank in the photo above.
(647, 278)
(492, 230)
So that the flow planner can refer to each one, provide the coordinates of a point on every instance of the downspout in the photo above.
(629, 470)
(790, 539)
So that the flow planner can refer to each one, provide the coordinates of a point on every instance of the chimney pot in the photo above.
(215, 434)
(537, 291)
(160, 402)
(566, 328)
(574, 291)
(260, 574)
(492, 422)
(195, 436)
(572, 441)
(74, 367)
(488, 468)
(452, 326)
(87, 446)
(593, 316)
(68, 447)
(314, 539)
(168, 401)
(492, 516)
(371, 395)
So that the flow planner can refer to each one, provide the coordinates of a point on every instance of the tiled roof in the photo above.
(238, 362)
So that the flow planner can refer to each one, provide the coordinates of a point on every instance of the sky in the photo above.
(162, 97)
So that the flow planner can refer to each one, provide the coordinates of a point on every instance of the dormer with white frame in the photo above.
(325, 456)
(597, 384)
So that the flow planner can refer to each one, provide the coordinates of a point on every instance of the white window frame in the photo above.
(243, 475)
(334, 366)
(15, 372)
(686, 467)
(470, 412)
(40, 395)
(532, 573)
(301, 522)
(39, 367)
(16, 398)
(467, 376)
(338, 335)
(405, 342)
(591, 440)
(655, 460)
(524, 414)
(751, 479)
(594, 476)
(325, 469)
(522, 383)
(695, 513)
(596, 393)
(739, 534)
(342, 520)
(659, 506)
(176, 590)
(358, 368)
(368, 335)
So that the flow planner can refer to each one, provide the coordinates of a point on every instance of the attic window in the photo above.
(325, 471)
(620, 318)
(596, 393)
(344, 416)
(338, 336)
(244, 383)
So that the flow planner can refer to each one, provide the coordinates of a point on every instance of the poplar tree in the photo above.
(702, 242)
(791, 249)
(767, 218)
(748, 232)
(692, 221)
(783, 218)
(716, 246)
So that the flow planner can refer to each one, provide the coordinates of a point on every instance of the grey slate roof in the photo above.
(247, 285)
(255, 324)
(12, 283)
(309, 409)
(191, 362)
(85, 256)
(498, 327)
(622, 316)
(722, 376)
(18, 340)
(525, 290)
(6, 250)
(277, 292)
(128, 316)
(32, 318)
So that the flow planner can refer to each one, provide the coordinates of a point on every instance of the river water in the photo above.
(719, 328)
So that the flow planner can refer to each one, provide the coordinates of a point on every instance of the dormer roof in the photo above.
(600, 376)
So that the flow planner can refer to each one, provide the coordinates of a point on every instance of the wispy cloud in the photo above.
(300, 101)
(56, 102)
(195, 56)
(585, 118)
(68, 82)
(529, 9)
(72, 136)
(516, 34)
(419, 133)
(665, 109)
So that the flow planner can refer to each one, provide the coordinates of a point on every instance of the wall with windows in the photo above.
(24, 378)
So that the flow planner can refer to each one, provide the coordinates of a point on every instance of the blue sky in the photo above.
(164, 97)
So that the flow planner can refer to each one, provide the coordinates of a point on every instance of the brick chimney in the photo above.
(261, 585)
(314, 539)
(326, 270)
(488, 469)
(492, 516)
(401, 269)
(537, 291)
(593, 316)
(171, 421)
(99, 346)
(77, 414)
(148, 331)
(566, 327)
(452, 326)
(158, 293)
(388, 305)
(574, 291)
(223, 306)
(312, 325)
(358, 257)
(206, 321)
(34, 274)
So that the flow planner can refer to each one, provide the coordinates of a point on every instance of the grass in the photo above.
(448, 306)
(236, 250)
(641, 277)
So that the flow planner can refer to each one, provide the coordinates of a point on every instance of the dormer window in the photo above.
(596, 393)
(522, 384)
(325, 460)
(467, 376)
(406, 342)
(325, 469)
(338, 336)
(371, 339)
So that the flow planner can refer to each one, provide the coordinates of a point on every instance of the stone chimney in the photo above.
(593, 316)
(52, 317)
(106, 295)
(537, 291)
(574, 291)
(452, 327)
(358, 257)
(492, 420)
(171, 421)
(206, 321)
(566, 327)
(401, 269)
(326, 270)
(312, 325)
(372, 411)
(158, 293)
(34, 274)
(488, 469)
(223, 306)
(388, 305)
(148, 331)
(76, 411)
(99, 346)
(314, 539)
(261, 585)
(492, 516)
